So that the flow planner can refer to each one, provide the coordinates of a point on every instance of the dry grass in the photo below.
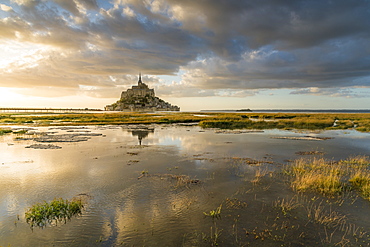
(260, 173)
(234, 203)
(319, 214)
(316, 174)
(361, 181)
(331, 178)
(286, 205)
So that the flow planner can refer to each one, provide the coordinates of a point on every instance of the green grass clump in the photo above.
(215, 214)
(57, 210)
(361, 181)
(270, 122)
(20, 132)
(363, 124)
(5, 131)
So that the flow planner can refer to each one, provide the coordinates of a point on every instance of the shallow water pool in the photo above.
(152, 185)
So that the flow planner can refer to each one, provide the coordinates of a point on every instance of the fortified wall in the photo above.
(140, 98)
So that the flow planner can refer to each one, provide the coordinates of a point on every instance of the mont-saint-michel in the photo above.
(140, 98)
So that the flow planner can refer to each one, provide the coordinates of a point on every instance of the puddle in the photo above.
(157, 185)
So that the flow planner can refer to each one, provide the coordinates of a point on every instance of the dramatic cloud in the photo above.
(225, 48)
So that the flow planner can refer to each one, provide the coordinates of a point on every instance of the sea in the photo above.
(295, 110)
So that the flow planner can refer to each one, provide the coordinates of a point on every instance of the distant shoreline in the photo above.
(295, 110)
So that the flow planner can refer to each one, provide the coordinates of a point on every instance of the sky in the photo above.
(197, 54)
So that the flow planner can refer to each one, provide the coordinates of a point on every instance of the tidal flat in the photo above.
(183, 185)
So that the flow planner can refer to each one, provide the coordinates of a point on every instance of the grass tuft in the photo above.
(286, 205)
(316, 175)
(57, 210)
(319, 214)
(215, 214)
(5, 131)
(361, 181)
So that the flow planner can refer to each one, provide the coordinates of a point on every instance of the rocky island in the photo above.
(140, 98)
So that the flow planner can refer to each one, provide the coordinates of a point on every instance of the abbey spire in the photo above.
(139, 82)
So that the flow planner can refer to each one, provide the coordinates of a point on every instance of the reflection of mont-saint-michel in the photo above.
(140, 98)
(141, 134)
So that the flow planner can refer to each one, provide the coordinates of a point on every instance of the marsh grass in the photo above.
(286, 205)
(314, 152)
(260, 173)
(332, 226)
(20, 132)
(319, 214)
(5, 131)
(215, 235)
(331, 178)
(281, 218)
(199, 239)
(214, 214)
(106, 118)
(181, 180)
(274, 121)
(57, 210)
(360, 180)
(360, 122)
(234, 203)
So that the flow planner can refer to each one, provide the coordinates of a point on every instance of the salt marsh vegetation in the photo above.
(331, 178)
(312, 121)
(58, 210)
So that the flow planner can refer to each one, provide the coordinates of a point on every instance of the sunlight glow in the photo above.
(20, 54)
(12, 97)
(8, 96)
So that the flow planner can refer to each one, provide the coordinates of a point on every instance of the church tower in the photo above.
(139, 83)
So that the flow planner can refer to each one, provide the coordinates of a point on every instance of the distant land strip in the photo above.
(295, 110)
(21, 109)
(242, 110)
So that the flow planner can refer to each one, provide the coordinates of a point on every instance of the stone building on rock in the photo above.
(140, 98)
